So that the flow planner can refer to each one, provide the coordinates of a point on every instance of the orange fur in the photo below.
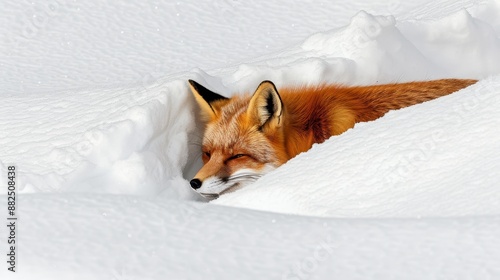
(323, 111)
(272, 126)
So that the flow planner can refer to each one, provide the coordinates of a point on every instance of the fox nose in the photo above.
(195, 184)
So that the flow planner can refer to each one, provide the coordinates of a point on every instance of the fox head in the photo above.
(243, 138)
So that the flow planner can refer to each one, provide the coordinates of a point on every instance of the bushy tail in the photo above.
(382, 98)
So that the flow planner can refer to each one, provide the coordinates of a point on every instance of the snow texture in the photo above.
(100, 124)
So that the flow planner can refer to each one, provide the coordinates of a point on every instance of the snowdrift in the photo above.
(125, 237)
(102, 171)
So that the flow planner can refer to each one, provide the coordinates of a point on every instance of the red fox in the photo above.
(247, 136)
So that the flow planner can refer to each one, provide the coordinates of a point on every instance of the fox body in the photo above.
(246, 136)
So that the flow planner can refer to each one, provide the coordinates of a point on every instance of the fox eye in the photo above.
(237, 156)
(207, 154)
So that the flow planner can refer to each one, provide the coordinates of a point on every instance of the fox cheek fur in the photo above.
(247, 136)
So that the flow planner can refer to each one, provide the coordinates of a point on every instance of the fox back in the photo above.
(246, 136)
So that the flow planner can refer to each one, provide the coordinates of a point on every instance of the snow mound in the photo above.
(379, 49)
(131, 238)
(102, 170)
(128, 141)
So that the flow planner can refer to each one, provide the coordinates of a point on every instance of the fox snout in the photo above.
(196, 185)
(214, 185)
(223, 174)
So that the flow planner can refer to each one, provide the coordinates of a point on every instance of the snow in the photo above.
(125, 237)
(99, 122)
(113, 141)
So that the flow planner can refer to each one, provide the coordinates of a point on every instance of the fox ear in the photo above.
(266, 106)
(208, 100)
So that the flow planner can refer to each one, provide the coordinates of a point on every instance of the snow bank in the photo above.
(379, 49)
(102, 170)
(128, 141)
(131, 238)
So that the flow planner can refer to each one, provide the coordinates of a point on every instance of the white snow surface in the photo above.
(98, 120)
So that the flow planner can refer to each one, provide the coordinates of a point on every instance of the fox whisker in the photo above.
(243, 177)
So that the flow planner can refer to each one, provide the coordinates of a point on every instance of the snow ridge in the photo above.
(102, 170)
